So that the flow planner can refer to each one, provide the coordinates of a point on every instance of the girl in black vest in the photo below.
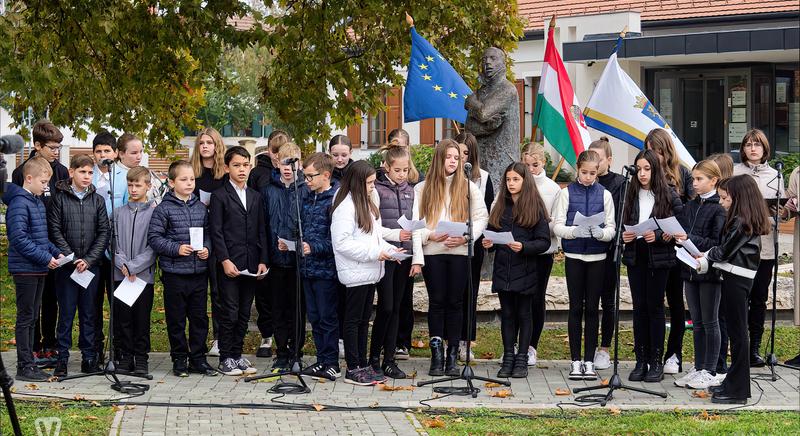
(520, 210)
(737, 257)
(585, 248)
(649, 258)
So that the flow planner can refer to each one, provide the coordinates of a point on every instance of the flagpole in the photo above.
(536, 126)
(455, 126)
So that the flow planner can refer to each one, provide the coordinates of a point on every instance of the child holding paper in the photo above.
(704, 219)
(134, 261)
(78, 224)
(520, 210)
(30, 256)
(737, 257)
(585, 248)
(175, 227)
(239, 237)
(443, 258)
(648, 257)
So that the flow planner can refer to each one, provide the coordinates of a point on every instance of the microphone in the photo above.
(779, 166)
(289, 160)
(467, 167)
(631, 169)
(107, 162)
(10, 144)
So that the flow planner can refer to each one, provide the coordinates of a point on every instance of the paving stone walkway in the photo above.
(192, 405)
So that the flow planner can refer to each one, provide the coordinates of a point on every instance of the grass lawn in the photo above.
(76, 419)
(607, 421)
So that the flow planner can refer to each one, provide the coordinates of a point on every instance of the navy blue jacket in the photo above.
(280, 213)
(60, 172)
(29, 250)
(588, 200)
(169, 229)
(79, 226)
(316, 213)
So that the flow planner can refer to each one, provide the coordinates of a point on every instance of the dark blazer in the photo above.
(79, 226)
(237, 234)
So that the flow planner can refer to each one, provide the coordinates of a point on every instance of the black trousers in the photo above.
(213, 293)
(758, 302)
(358, 309)
(342, 291)
(282, 293)
(234, 300)
(44, 332)
(608, 301)
(677, 314)
(722, 360)
(469, 332)
(405, 327)
(266, 326)
(703, 299)
(185, 298)
(544, 265)
(391, 290)
(584, 290)
(105, 286)
(29, 290)
(132, 325)
(515, 320)
(735, 296)
(445, 279)
(648, 286)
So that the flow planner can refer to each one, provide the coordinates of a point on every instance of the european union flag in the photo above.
(433, 88)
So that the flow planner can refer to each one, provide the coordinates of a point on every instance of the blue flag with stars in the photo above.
(433, 88)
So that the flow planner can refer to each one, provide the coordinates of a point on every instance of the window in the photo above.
(376, 129)
(449, 130)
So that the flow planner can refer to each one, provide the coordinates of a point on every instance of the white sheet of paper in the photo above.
(670, 226)
(499, 238)
(128, 291)
(291, 244)
(691, 248)
(641, 229)
(249, 274)
(196, 238)
(399, 256)
(584, 221)
(686, 258)
(205, 197)
(83, 279)
(66, 259)
(452, 229)
(410, 225)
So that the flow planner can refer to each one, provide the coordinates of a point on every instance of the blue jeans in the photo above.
(71, 297)
(322, 301)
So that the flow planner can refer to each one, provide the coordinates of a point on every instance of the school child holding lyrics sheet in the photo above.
(520, 210)
(585, 248)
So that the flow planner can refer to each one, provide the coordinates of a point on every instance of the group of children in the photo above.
(346, 231)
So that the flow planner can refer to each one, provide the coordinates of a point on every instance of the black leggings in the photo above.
(677, 314)
(647, 292)
(608, 301)
(468, 332)
(758, 302)
(358, 308)
(735, 295)
(446, 282)
(544, 265)
(391, 291)
(515, 320)
(703, 299)
(584, 297)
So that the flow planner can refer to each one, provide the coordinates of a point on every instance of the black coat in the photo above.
(207, 183)
(237, 234)
(169, 229)
(516, 272)
(60, 172)
(737, 248)
(661, 254)
(77, 225)
(703, 220)
(261, 175)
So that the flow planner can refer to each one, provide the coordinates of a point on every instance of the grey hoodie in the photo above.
(132, 221)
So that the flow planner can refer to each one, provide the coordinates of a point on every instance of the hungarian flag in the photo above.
(558, 114)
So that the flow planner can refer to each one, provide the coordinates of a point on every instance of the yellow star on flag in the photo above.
(429, 58)
(426, 77)
(423, 67)
(452, 94)
(437, 88)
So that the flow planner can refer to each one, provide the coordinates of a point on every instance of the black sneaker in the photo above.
(61, 369)
(202, 367)
(281, 364)
(359, 377)
(140, 366)
(32, 374)
(229, 366)
(179, 368)
(90, 366)
(391, 370)
(376, 377)
(265, 349)
(330, 372)
(314, 369)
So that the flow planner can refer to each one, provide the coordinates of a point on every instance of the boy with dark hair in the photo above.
(78, 225)
(30, 256)
(134, 260)
(179, 235)
(47, 145)
(239, 238)
(318, 268)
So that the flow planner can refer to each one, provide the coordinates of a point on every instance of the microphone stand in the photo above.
(5, 384)
(110, 369)
(772, 359)
(297, 363)
(615, 382)
(467, 374)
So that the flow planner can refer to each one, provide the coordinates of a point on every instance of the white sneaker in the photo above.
(531, 356)
(702, 380)
(681, 382)
(341, 348)
(672, 365)
(602, 360)
(576, 373)
(588, 371)
(718, 379)
(214, 351)
(266, 343)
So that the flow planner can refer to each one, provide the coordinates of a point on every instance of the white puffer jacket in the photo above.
(549, 191)
(356, 253)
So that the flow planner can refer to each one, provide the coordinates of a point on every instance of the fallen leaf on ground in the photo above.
(616, 411)
(92, 418)
(418, 344)
(13, 389)
(11, 342)
(322, 380)
(604, 382)
(503, 393)
(52, 378)
(433, 423)
(452, 410)
(32, 386)
(492, 385)
(385, 387)
(487, 355)
(413, 375)
(117, 408)
(95, 404)
(242, 412)
(160, 381)
(374, 405)
(318, 407)
(562, 391)
(79, 397)
(705, 416)
(459, 419)
(700, 394)
(130, 407)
